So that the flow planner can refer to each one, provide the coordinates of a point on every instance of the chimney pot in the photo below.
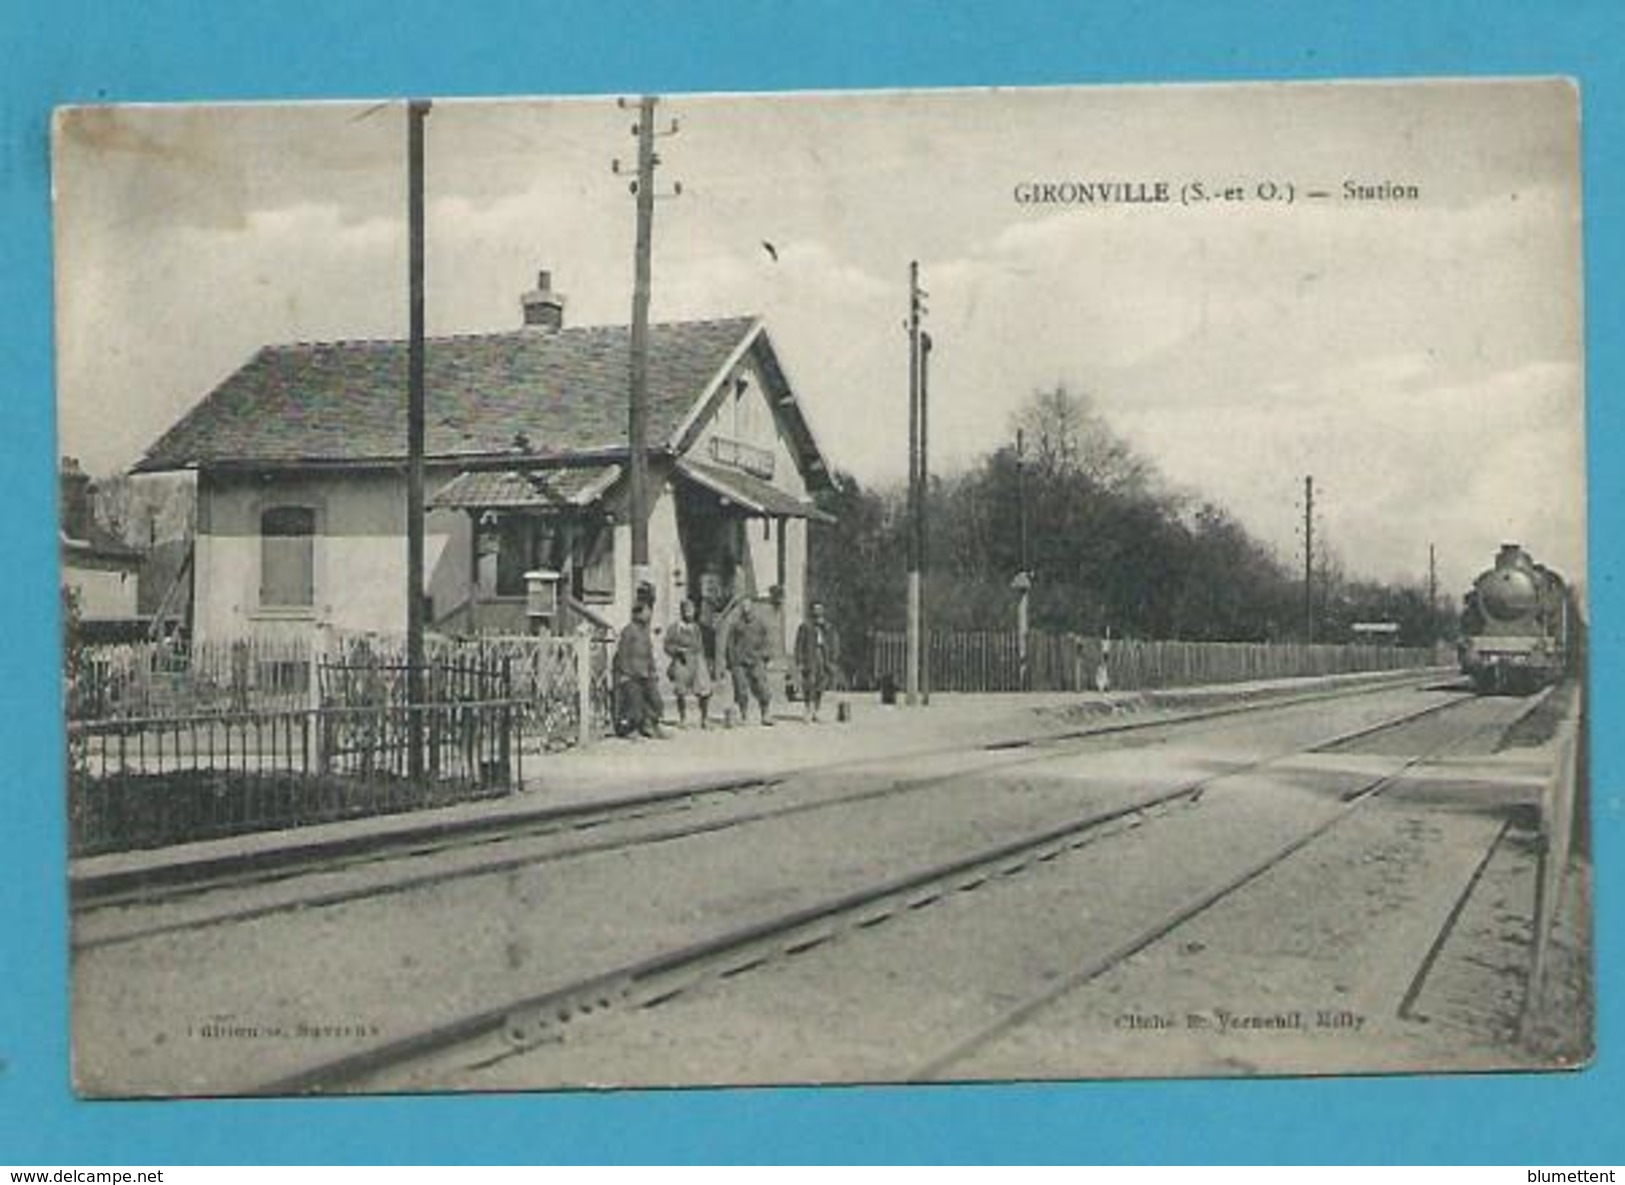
(542, 307)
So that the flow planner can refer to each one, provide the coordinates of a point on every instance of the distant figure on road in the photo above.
(689, 672)
(749, 648)
(817, 654)
(637, 698)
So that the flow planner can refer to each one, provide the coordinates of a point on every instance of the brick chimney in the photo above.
(544, 308)
(75, 507)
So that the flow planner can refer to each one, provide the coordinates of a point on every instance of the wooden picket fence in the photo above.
(162, 678)
(990, 660)
(274, 673)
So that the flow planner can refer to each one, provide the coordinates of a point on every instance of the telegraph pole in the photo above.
(1308, 559)
(638, 413)
(912, 651)
(1023, 582)
(643, 189)
(925, 514)
(1021, 495)
(416, 112)
(1433, 598)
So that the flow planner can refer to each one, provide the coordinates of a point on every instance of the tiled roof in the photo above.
(750, 492)
(534, 489)
(550, 393)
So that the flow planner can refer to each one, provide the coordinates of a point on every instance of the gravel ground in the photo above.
(875, 1006)
(1304, 971)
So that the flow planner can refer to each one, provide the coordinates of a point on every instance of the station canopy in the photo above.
(752, 494)
(556, 489)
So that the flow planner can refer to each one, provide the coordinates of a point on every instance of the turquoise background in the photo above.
(62, 51)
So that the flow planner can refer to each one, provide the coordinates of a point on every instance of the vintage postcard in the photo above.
(881, 587)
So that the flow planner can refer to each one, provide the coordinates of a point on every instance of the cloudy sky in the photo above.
(1421, 359)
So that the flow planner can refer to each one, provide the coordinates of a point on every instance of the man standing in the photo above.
(637, 698)
(748, 650)
(817, 653)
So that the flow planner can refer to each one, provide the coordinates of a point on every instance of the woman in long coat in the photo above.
(689, 673)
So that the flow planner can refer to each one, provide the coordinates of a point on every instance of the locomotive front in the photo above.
(1514, 625)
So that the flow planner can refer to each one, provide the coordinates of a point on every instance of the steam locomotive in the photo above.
(1520, 626)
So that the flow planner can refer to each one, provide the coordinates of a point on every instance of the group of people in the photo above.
(745, 653)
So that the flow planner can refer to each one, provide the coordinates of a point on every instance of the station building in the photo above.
(301, 481)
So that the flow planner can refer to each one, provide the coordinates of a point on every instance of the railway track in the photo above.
(178, 881)
(108, 920)
(940, 1066)
(471, 1043)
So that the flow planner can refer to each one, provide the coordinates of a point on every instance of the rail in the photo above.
(115, 887)
(507, 1029)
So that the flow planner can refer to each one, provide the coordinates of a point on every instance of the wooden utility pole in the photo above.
(923, 522)
(1021, 497)
(1023, 582)
(1433, 598)
(1308, 559)
(912, 648)
(638, 412)
(416, 112)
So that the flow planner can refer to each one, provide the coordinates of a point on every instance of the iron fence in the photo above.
(169, 744)
(148, 781)
(465, 726)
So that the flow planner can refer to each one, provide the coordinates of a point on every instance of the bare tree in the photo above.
(145, 510)
(1070, 438)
